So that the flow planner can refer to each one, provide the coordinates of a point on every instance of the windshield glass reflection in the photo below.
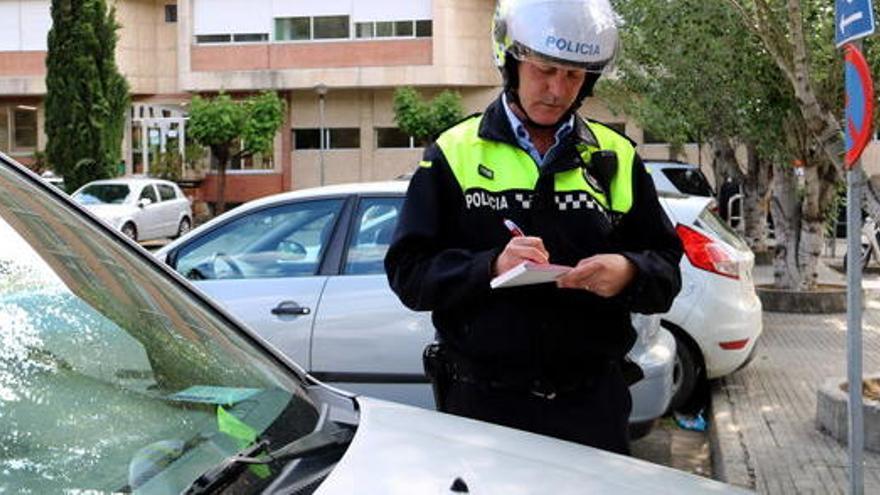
(111, 377)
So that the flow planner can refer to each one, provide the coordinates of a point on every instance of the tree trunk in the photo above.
(222, 155)
(812, 229)
(786, 212)
(756, 202)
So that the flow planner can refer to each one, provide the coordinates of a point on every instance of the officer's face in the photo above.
(546, 91)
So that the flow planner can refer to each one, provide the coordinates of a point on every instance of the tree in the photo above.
(811, 66)
(714, 77)
(235, 129)
(86, 96)
(425, 120)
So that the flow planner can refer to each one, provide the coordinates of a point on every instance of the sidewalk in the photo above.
(763, 429)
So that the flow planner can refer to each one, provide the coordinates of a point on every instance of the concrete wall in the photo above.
(365, 109)
(147, 48)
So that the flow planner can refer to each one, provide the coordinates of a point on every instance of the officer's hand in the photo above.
(604, 274)
(521, 249)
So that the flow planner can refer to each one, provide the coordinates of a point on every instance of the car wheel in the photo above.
(184, 227)
(685, 375)
(130, 231)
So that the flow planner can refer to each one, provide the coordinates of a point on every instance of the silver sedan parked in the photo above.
(305, 270)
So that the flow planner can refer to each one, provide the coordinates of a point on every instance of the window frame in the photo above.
(354, 223)
(328, 257)
(328, 141)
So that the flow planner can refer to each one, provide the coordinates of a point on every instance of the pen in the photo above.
(513, 228)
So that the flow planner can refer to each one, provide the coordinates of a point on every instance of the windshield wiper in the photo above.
(327, 436)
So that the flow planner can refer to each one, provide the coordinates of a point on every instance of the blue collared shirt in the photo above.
(525, 141)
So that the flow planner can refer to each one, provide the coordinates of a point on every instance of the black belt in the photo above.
(533, 384)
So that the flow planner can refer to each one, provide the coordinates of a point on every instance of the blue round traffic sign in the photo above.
(859, 104)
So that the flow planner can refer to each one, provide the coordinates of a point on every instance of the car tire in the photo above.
(129, 230)
(184, 227)
(686, 375)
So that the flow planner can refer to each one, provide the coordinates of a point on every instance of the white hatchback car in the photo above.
(140, 208)
(305, 269)
(118, 377)
(716, 318)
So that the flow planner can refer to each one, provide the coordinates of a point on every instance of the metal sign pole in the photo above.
(854, 329)
(854, 316)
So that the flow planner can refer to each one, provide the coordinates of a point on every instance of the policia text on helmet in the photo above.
(577, 38)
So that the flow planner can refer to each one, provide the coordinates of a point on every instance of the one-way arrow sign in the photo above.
(854, 19)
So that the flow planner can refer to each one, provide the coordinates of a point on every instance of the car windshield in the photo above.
(102, 194)
(114, 378)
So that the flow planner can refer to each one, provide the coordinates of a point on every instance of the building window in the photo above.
(651, 138)
(424, 29)
(384, 29)
(364, 30)
(332, 27)
(394, 29)
(250, 37)
(344, 138)
(403, 29)
(392, 137)
(213, 38)
(335, 138)
(312, 28)
(307, 139)
(293, 29)
(24, 123)
(236, 37)
(171, 13)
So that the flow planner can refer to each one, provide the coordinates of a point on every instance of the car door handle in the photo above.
(290, 308)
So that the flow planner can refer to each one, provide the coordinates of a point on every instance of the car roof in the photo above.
(395, 187)
(131, 180)
(385, 187)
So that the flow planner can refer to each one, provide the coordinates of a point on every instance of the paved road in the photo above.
(764, 415)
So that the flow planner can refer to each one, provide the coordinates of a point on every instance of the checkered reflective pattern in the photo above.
(564, 201)
(575, 201)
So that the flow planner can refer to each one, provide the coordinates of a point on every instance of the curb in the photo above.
(731, 462)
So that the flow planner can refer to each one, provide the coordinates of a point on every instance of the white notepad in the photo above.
(528, 273)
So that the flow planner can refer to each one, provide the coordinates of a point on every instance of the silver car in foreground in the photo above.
(117, 377)
(305, 270)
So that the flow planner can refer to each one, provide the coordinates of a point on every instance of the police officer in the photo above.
(547, 358)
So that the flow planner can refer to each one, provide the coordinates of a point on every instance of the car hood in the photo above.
(405, 450)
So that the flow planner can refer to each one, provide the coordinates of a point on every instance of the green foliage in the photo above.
(168, 165)
(221, 122)
(424, 120)
(86, 96)
(691, 70)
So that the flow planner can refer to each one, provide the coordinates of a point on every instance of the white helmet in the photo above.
(577, 33)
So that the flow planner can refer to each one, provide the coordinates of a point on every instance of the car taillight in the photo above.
(707, 254)
(734, 345)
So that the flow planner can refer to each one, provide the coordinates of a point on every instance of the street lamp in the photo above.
(321, 89)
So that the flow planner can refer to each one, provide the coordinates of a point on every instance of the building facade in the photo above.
(335, 62)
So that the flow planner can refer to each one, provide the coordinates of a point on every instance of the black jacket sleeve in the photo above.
(650, 242)
(425, 266)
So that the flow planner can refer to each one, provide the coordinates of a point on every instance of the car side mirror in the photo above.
(144, 202)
